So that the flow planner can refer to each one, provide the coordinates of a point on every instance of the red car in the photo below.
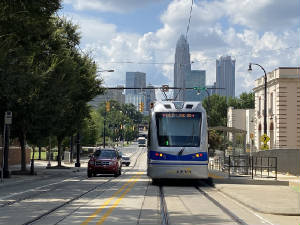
(105, 161)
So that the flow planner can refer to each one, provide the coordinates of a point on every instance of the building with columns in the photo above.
(283, 108)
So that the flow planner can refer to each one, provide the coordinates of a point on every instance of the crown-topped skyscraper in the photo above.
(182, 66)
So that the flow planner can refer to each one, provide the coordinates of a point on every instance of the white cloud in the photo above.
(213, 32)
(263, 14)
(119, 6)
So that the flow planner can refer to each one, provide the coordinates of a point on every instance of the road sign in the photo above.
(264, 147)
(264, 138)
(8, 117)
(251, 136)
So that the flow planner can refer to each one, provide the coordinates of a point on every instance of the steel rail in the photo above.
(220, 206)
(37, 218)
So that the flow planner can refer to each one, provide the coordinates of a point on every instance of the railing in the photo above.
(264, 163)
(245, 165)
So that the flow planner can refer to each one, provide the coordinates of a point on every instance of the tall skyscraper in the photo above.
(211, 91)
(196, 78)
(225, 76)
(182, 66)
(135, 80)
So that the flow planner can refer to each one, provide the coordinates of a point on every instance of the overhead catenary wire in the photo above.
(190, 17)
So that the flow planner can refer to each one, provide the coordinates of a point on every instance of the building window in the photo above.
(259, 134)
(271, 103)
(271, 135)
(259, 106)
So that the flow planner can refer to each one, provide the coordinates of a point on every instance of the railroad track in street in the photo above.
(37, 191)
(170, 199)
(56, 208)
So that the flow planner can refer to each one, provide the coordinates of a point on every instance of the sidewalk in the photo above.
(264, 195)
(42, 172)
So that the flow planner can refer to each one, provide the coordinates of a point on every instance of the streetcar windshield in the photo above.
(178, 129)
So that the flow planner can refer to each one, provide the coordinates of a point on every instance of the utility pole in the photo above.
(107, 109)
(71, 149)
(6, 133)
(77, 164)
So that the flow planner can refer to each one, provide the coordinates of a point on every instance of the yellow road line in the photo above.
(108, 212)
(92, 216)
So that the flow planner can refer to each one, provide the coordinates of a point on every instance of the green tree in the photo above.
(24, 29)
(214, 140)
(216, 108)
(72, 83)
(247, 100)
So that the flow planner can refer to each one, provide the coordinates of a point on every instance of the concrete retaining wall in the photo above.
(288, 159)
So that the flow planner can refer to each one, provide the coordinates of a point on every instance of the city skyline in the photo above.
(141, 36)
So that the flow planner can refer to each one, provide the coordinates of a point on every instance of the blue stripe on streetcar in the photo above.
(154, 155)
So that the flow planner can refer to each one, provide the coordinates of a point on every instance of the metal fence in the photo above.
(245, 165)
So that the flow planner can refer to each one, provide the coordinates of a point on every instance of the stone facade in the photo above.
(283, 108)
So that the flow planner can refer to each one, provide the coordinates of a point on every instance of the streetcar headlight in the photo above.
(159, 154)
(199, 155)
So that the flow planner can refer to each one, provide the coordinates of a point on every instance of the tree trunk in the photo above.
(40, 152)
(32, 161)
(22, 141)
(59, 141)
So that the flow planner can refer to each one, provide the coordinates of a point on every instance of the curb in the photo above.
(255, 209)
(250, 181)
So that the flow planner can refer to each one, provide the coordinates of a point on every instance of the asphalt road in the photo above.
(72, 198)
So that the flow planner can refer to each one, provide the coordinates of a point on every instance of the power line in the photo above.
(188, 25)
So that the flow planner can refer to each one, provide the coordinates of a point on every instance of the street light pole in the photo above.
(77, 164)
(265, 99)
(104, 129)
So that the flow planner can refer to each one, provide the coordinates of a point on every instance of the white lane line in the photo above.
(35, 189)
(250, 210)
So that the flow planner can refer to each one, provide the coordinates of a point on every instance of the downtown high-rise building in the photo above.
(150, 97)
(135, 80)
(182, 67)
(225, 76)
(136, 96)
(196, 78)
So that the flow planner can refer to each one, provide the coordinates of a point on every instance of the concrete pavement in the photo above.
(261, 195)
(280, 197)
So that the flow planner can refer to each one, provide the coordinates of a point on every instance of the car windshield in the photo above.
(105, 154)
(126, 158)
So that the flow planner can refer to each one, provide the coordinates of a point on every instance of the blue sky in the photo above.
(114, 31)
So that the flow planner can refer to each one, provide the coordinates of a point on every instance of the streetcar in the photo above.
(177, 141)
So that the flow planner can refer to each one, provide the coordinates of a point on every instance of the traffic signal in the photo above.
(107, 106)
(142, 107)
